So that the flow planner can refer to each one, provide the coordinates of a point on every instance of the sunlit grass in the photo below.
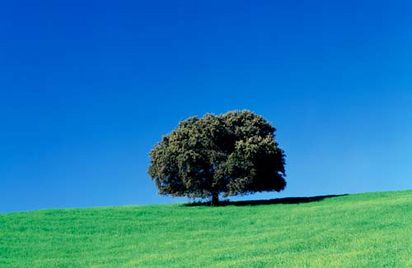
(365, 230)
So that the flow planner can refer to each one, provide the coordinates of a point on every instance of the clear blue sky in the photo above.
(88, 87)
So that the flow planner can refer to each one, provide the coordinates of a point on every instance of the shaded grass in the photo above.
(285, 200)
(365, 230)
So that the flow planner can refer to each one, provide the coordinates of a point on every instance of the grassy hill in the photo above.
(363, 230)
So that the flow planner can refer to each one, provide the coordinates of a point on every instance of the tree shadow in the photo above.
(285, 200)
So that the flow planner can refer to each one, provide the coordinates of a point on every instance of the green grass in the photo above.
(363, 230)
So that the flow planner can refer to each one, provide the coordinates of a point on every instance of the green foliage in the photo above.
(229, 154)
(366, 230)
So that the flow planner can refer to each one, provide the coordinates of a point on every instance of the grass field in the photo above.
(363, 230)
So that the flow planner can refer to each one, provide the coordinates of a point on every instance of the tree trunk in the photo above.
(215, 199)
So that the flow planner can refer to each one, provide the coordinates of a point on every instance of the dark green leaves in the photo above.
(230, 154)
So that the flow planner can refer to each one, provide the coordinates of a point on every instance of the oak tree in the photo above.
(229, 154)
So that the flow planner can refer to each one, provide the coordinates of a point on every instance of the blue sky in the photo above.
(88, 87)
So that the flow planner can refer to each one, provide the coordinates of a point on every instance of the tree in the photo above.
(228, 154)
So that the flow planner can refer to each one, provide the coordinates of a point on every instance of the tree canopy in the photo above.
(229, 154)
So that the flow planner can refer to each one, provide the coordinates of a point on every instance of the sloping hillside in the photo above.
(364, 230)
